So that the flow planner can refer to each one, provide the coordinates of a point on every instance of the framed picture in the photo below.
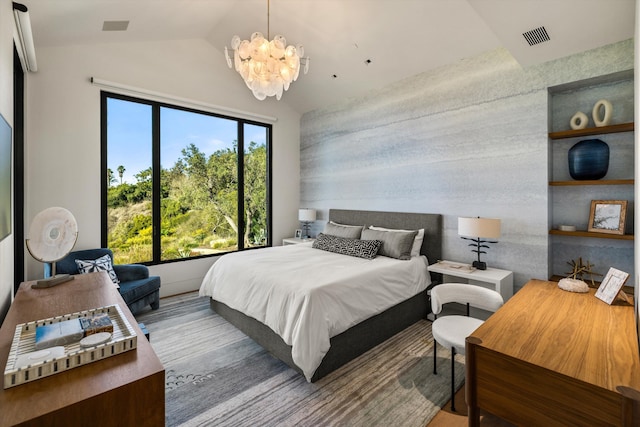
(607, 216)
(611, 286)
(298, 233)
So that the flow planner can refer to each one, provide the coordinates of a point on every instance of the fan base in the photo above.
(52, 281)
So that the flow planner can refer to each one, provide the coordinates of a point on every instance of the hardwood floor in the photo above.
(447, 418)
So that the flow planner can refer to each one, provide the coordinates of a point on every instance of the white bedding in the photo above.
(308, 295)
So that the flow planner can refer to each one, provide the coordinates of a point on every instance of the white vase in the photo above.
(607, 112)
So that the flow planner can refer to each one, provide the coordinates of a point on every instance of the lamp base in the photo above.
(52, 281)
(305, 230)
(479, 265)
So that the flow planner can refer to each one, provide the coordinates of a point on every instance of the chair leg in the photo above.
(155, 304)
(435, 372)
(453, 389)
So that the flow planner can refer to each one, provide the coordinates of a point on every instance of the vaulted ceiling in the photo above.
(354, 45)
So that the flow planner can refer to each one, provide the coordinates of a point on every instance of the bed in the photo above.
(345, 339)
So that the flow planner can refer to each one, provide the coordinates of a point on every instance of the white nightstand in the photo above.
(492, 278)
(295, 240)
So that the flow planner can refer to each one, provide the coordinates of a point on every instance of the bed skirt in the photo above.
(345, 346)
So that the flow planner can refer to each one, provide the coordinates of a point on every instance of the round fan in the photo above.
(52, 235)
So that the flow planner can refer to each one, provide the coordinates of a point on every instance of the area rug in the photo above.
(217, 376)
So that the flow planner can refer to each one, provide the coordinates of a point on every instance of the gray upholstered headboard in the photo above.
(432, 224)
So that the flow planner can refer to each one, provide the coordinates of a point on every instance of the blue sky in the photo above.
(129, 135)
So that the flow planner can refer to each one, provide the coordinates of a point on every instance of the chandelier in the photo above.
(267, 67)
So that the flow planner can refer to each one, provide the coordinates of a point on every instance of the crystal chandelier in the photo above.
(267, 67)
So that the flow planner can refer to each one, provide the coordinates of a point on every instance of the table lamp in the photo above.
(476, 229)
(306, 217)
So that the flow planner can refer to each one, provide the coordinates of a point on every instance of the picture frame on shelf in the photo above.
(298, 234)
(611, 286)
(607, 216)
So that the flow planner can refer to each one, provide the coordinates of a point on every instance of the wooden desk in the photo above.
(123, 390)
(550, 357)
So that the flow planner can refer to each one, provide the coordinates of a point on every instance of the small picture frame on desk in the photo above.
(607, 216)
(612, 285)
(298, 234)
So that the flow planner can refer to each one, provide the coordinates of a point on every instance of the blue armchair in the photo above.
(137, 288)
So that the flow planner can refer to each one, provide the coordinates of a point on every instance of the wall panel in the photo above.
(468, 139)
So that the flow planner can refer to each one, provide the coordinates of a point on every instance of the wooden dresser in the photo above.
(122, 390)
(550, 357)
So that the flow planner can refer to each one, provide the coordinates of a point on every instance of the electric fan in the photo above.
(52, 235)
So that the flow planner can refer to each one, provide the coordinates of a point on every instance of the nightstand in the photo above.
(295, 240)
(492, 278)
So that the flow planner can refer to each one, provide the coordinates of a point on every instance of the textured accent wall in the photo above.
(468, 139)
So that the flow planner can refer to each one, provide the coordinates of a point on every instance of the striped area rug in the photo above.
(217, 376)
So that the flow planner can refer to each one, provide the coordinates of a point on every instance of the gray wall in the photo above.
(468, 139)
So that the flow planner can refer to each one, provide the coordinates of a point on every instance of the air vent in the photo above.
(537, 36)
(115, 25)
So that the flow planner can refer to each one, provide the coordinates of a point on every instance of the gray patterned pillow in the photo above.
(101, 264)
(395, 244)
(352, 247)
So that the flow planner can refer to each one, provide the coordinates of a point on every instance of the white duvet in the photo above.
(308, 295)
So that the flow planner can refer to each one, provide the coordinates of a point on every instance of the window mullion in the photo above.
(240, 162)
(157, 193)
(104, 184)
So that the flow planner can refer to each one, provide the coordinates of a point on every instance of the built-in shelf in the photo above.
(573, 133)
(580, 233)
(594, 182)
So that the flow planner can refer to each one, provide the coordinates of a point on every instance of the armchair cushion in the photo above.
(128, 272)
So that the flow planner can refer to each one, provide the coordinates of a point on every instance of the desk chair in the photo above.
(451, 331)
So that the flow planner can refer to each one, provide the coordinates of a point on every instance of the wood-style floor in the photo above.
(447, 418)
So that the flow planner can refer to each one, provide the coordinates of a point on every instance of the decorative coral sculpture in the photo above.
(573, 282)
(579, 269)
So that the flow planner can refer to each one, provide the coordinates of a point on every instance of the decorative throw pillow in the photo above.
(395, 244)
(341, 230)
(353, 247)
(417, 242)
(101, 264)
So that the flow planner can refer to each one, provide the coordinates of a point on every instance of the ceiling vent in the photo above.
(115, 25)
(536, 36)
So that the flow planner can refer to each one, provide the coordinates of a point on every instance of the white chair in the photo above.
(451, 331)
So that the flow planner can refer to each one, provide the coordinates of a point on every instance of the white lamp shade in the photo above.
(307, 215)
(488, 228)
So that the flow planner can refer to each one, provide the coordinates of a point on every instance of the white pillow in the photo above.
(417, 242)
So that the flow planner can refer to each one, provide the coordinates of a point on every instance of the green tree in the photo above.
(198, 205)
(210, 182)
(255, 194)
(121, 170)
(110, 177)
(144, 185)
(213, 183)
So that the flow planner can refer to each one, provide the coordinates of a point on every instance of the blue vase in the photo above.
(589, 159)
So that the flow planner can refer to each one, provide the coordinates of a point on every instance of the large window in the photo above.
(180, 183)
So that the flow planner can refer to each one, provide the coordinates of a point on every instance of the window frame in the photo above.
(156, 172)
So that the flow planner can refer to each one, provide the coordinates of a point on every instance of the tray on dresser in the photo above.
(124, 338)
